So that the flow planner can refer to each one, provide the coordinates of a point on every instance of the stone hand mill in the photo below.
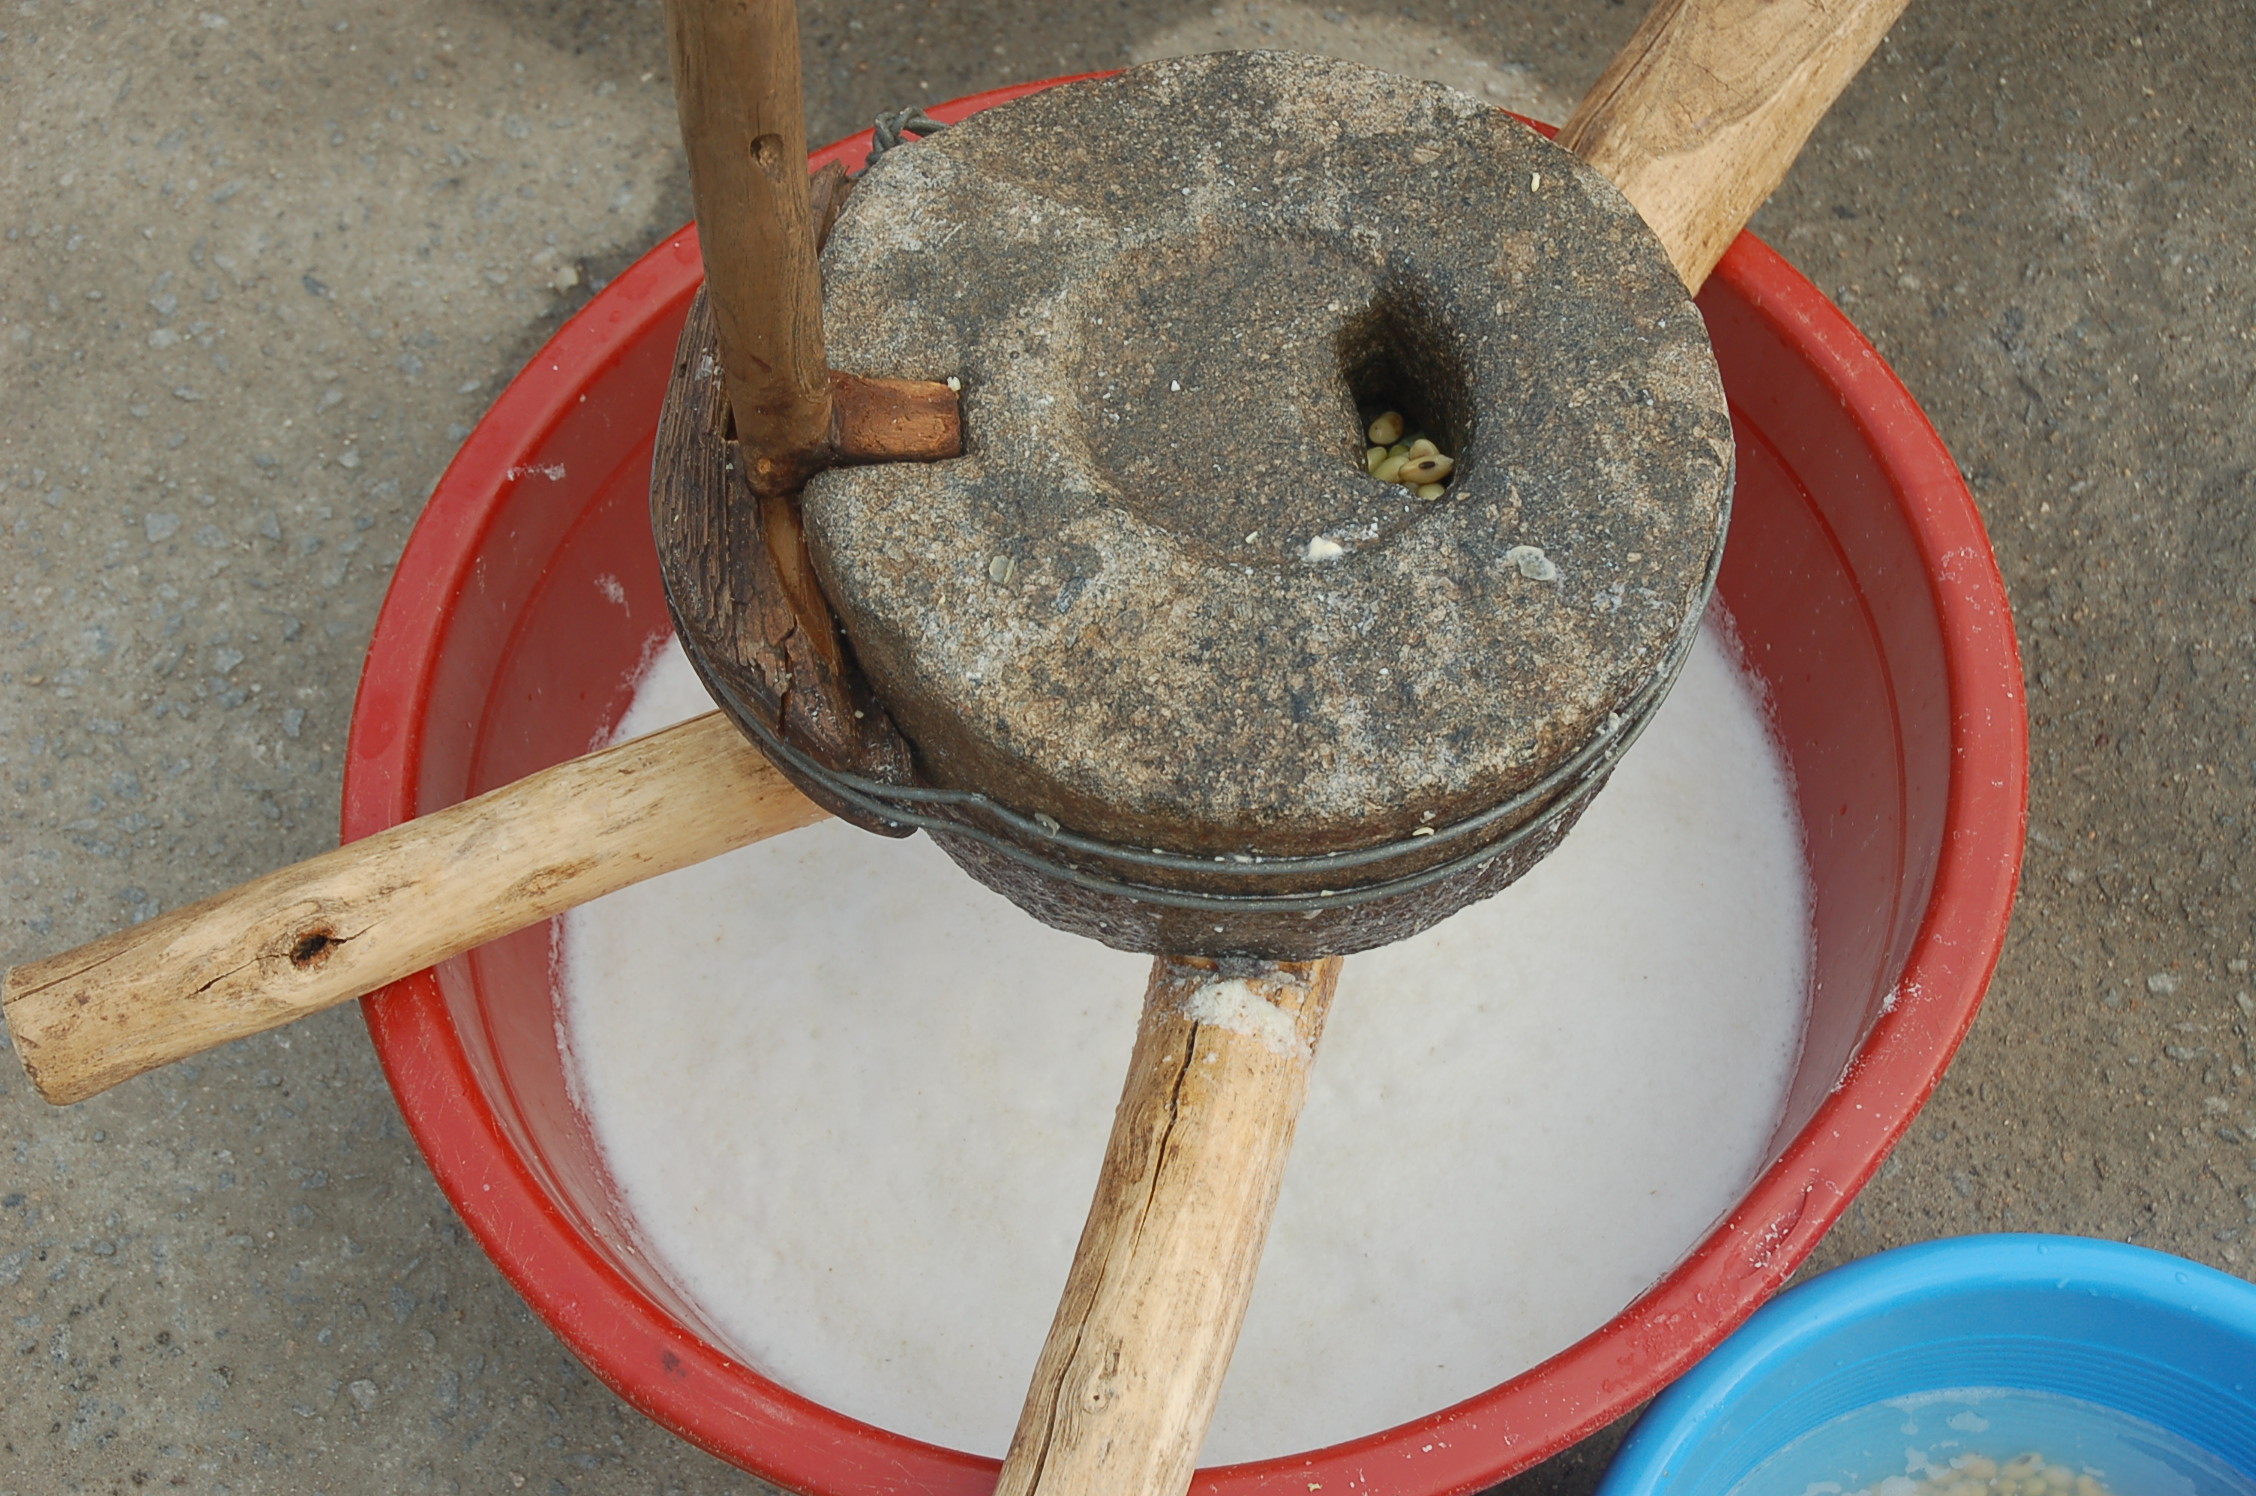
(1036, 490)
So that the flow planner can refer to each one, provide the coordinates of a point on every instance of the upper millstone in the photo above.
(1159, 599)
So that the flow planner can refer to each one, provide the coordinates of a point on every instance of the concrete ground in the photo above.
(263, 264)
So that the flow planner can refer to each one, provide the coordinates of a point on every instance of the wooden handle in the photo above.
(1127, 1382)
(736, 82)
(373, 911)
(1699, 116)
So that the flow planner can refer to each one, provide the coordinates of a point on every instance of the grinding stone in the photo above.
(1173, 296)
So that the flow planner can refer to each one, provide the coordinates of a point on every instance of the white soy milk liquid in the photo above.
(857, 1103)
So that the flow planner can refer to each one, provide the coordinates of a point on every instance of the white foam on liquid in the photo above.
(857, 1103)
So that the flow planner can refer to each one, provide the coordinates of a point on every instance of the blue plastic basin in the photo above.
(2153, 1336)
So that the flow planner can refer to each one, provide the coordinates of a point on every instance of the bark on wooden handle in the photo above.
(1699, 116)
(736, 82)
(1126, 1384)
(373, 911)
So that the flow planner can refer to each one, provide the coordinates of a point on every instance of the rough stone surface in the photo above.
(1160, 599)
(2038, 213)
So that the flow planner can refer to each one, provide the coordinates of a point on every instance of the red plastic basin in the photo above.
(1864, 591)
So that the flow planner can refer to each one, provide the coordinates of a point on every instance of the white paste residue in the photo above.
(1533, 564)
(857, 1103)
(1232, 1003)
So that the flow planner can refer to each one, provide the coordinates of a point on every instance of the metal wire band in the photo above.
(1571, 783)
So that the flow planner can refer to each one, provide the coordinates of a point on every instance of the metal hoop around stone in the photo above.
(1560, 793)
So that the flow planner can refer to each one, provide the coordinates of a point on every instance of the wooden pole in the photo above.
(347, 922)
(736, 81)
(1127, 1382)
(1697, 119)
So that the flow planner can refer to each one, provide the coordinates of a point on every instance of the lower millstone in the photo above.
(1160, 601)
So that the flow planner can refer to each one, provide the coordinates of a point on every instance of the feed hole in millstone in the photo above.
(1401, 354)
